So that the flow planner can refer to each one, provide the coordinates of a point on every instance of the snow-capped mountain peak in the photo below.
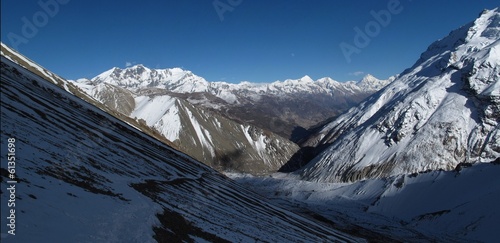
(441, 112)
(139, 77)
(369, 82)
(184, 81)
(470, 38)
(177, 80)
(300, 102)
(306, 79)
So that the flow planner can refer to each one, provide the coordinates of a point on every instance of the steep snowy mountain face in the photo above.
(119, 103)
(82, 175)
(203, 134)
(220, 142)
(441, 112)
(227, 126)
(280, 107)
(139, 76)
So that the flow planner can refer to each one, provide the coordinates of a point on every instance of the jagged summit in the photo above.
(441, 112)
(450, 50)
(139, 76)
(280, 106)
(306, 79)
(183, 81)
(369, 82)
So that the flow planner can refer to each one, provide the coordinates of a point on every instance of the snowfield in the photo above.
(442, 206)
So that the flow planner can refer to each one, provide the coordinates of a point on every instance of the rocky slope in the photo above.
(202, 133)
(441, 112)
(82, 175)
(283, 107)
(227, 126)
(11, 55)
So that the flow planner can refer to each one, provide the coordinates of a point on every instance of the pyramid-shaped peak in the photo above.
(477, 34)
(369, 78)
(306, 79)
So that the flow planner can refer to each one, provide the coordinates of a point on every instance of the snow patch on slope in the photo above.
(259, 144)
(160, 112)
(203, 135)
(434, 116)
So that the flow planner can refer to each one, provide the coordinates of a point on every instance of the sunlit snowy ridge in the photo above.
(178, 80)
(280, 106)
(441, 112)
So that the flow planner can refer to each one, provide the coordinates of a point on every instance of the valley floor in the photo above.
(421, 208)
(342, 212)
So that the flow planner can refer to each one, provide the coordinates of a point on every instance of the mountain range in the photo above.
(231, 127)
(82, 175)
(417, 161)
(285, 105)
(136, 154)
(441, 112)
(206, 135)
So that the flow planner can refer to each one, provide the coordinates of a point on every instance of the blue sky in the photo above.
(244, 40)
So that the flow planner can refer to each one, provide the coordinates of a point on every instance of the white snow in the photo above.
(86, 176)
(152, 109)
(258, 144)
(429, 117)
(434, 206)
(160, 112)
(203, 135)
(183, 81)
